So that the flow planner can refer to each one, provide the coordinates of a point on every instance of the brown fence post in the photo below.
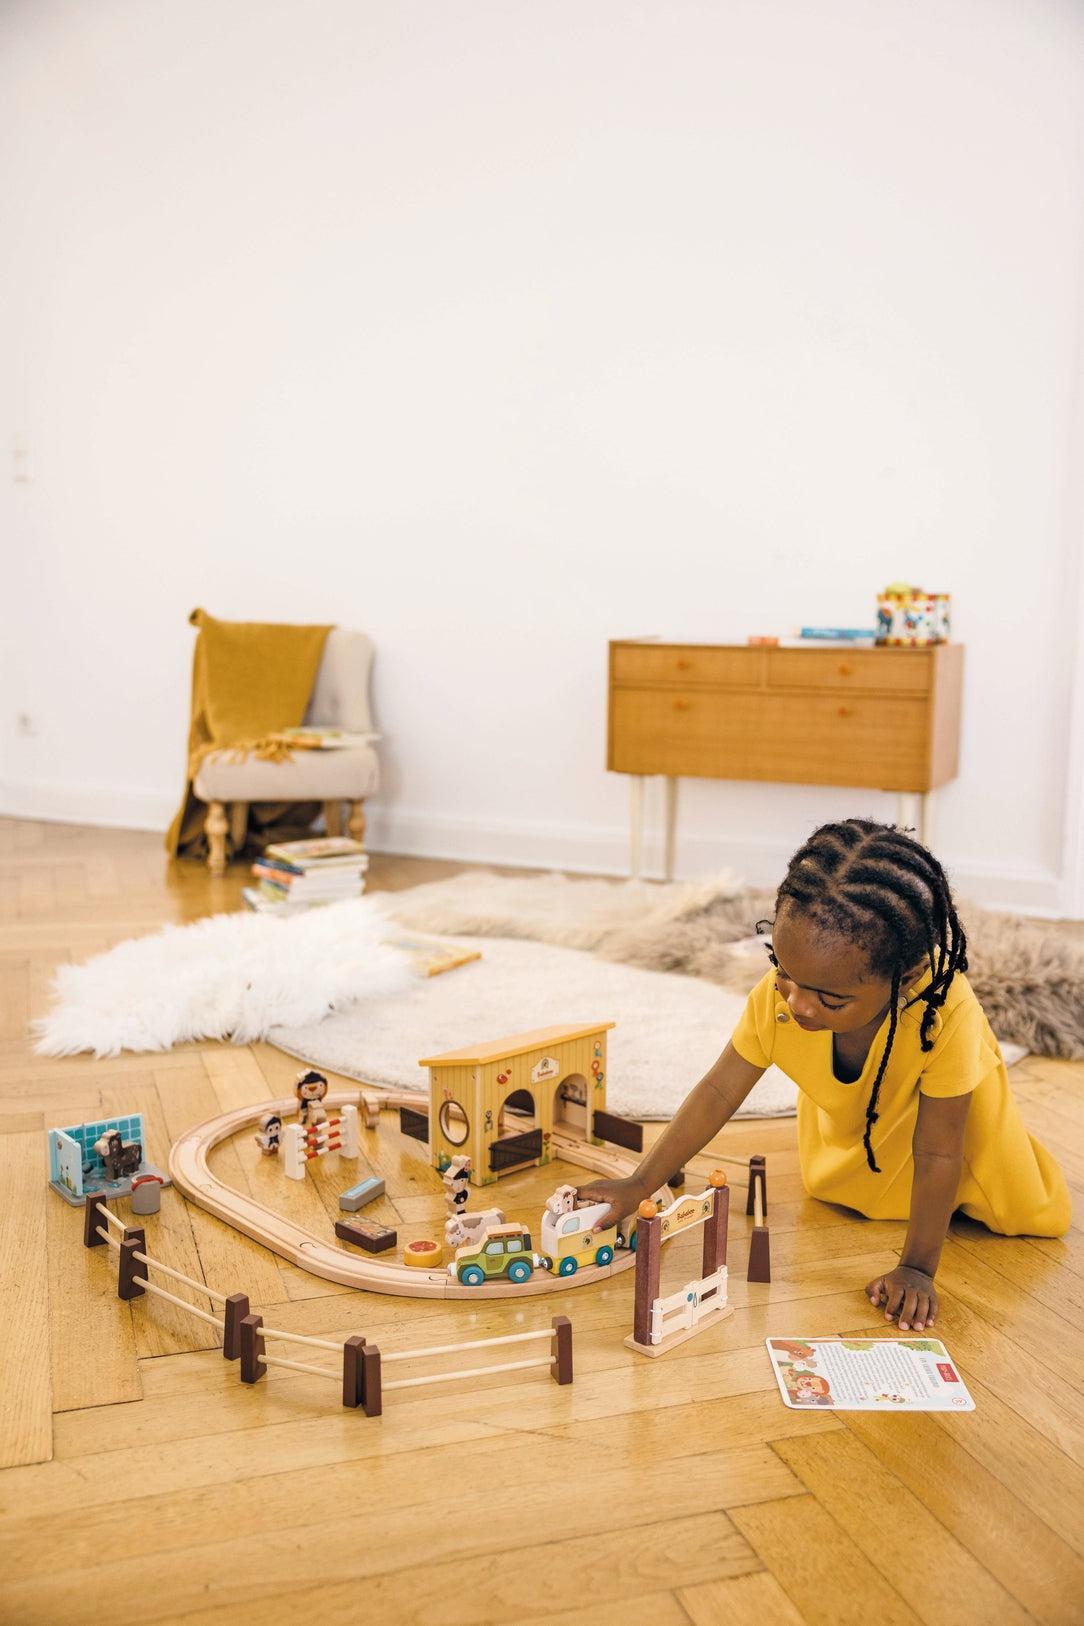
(713, 1257)
(353, 1372)
(237, 1307)
(370, 1381)
(561, 1370)
(757, 1171)
(252, 1347)
(131, 1274)
(648, 1262)
(93, 1218)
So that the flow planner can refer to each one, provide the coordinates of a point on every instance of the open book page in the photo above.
(868, 1374)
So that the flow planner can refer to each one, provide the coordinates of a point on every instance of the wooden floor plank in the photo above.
(91, 1335)
(26, 1424)
(747, 1600)
(938, 1576)
(807, 1552)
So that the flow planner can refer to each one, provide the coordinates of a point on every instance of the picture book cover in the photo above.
(868, 1374)
(316, 850)
(432, 955)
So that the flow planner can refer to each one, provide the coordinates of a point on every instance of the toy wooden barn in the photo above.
(499, 1103)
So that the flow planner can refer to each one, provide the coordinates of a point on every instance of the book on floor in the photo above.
(895, 1374)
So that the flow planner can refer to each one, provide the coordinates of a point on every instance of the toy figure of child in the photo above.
(866, 1008)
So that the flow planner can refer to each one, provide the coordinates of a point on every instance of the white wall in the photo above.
(502, 328)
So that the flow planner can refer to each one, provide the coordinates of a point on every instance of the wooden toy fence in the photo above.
(301, 1143)
(244, 1334)
(660, 1323)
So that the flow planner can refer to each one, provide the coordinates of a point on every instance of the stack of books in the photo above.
(296, 875)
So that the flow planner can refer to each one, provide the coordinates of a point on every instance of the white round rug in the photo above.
(669, 1028)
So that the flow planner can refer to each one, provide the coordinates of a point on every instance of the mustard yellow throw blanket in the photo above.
(250, 679)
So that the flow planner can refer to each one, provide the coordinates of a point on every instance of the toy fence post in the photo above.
(93, 1219)
(561, 1370)
(648, 1264)
(760, 1262)
(348, 1129)
(757, 1172)
(252, 1347)
(353, 1372)
(714, 1254)
(237, 1307)
(131, 1274)
(370, 1381)
(293, 1154)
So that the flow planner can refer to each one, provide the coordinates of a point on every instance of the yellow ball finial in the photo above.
(717, 1178)
(648, 1209)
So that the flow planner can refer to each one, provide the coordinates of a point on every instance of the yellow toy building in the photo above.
(500, 1103)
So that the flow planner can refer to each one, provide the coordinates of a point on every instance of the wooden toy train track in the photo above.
(191, 1174)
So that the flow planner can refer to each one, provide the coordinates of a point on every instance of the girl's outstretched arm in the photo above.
(701, 1115)
(907, 1292)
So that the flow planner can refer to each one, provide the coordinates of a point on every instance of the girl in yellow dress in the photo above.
(905, 1109)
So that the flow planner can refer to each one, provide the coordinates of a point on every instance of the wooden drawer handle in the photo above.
(844, 669)
(683, 705)
(845, 711)
(683, 666)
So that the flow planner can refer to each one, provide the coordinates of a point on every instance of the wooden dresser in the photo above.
(884, 718)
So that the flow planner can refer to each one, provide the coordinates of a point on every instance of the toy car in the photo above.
(571, 1241)
(505, 1250)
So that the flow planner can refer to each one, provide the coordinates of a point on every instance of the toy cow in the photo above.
(121, 1157)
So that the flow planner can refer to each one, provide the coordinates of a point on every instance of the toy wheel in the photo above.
(518, 1270)
(567, 1267)
(632, 1242)
(472, 1276)
(603, 1256)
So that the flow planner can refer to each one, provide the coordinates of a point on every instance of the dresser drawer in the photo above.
(730, 667)
(902, 671)
(881, 742)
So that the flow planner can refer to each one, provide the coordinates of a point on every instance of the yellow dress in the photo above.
(1009, 1181)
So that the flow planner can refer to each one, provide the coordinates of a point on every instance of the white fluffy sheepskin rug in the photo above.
(228, 977)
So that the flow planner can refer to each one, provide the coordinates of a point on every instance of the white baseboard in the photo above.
(56, 803)
(529, 844)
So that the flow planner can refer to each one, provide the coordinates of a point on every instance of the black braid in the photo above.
(876, 885)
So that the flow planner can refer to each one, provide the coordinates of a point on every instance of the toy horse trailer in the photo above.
(508, 1104)
(103, 1156)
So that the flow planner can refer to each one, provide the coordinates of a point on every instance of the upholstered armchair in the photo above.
(340, 699)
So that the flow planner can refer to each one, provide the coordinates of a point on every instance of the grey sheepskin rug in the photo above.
(1028, 977)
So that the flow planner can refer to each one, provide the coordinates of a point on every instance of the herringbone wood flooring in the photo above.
(143, 1482)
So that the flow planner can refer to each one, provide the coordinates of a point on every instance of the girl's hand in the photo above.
(907, 1294)
(623, 1196)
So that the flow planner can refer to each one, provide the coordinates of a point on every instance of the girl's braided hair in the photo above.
(877, 886)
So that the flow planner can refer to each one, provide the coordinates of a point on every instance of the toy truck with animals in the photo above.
(504, 1250)
(567, 1234)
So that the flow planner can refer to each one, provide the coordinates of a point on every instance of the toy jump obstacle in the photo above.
(661, 1323)
(301, 1143)
(244, 1334)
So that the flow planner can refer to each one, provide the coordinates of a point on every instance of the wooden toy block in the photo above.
(757, 1176)
(424, 1253)
(353, 1372)
(252, 1349)
(131, 1273)
(370, 1111)
(237, 1308)
(367, 1234)
(371, 1399)
(561, 1371)
(367, 1192)
(760, 1262)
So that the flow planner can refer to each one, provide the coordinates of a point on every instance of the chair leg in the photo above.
(238, 824)
(333, 818)
(356, 822)
(217, 826)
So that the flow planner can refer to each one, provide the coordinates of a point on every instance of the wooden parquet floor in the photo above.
(142, 1482)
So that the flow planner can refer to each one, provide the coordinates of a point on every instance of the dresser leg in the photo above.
(636, 823)
(928, 820)
(906, 811)
(669, 827)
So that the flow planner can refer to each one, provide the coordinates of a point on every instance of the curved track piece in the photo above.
(192, 1176)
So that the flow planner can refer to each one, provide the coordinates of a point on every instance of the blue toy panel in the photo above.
(84, 1135)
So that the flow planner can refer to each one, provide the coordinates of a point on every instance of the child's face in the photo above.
(825, 979)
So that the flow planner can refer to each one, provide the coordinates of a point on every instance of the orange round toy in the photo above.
(423, 1253)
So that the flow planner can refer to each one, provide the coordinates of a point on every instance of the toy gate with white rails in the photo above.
(302, 1142)
(660, 1323)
